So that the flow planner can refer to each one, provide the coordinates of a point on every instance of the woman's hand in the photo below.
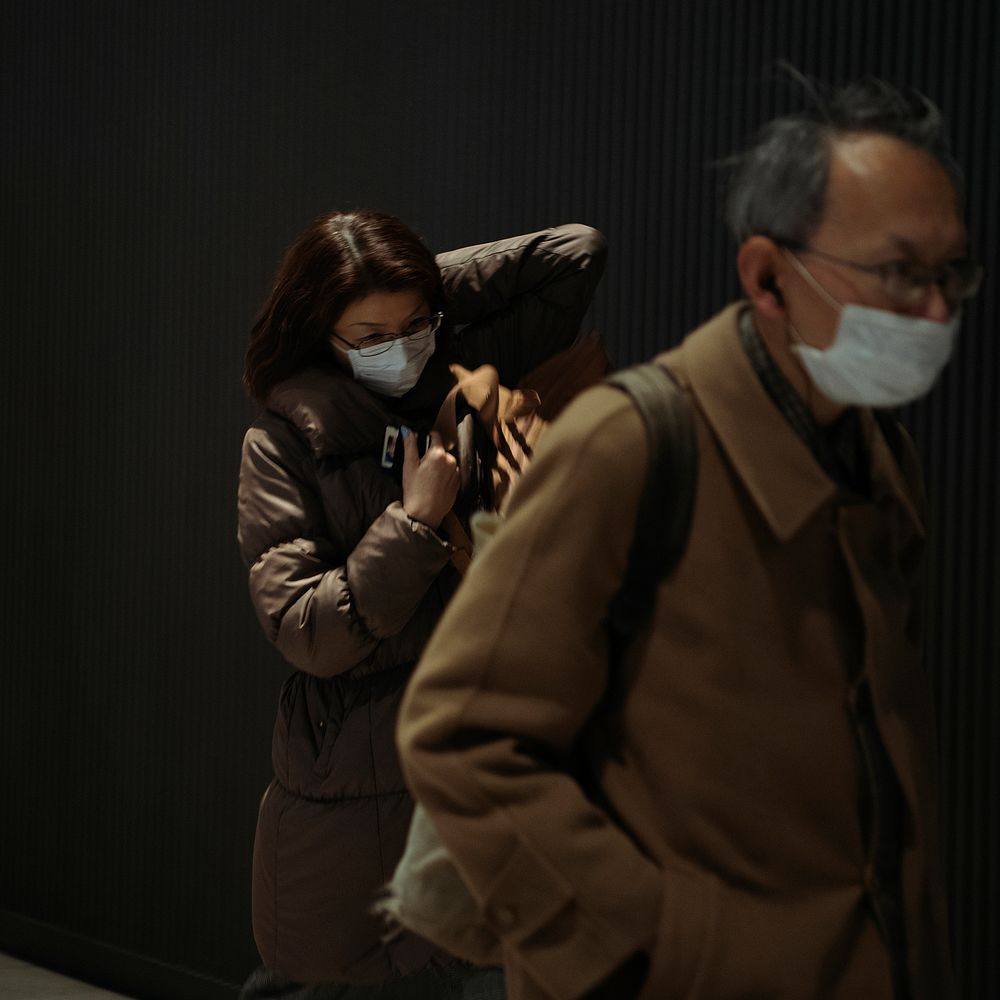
(430, 484)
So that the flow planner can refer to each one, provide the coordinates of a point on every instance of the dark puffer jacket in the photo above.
(349, 589)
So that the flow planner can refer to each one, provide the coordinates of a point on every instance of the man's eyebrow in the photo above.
(911, 250)
(904, 245)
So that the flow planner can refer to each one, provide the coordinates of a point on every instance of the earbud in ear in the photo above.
(772, 286)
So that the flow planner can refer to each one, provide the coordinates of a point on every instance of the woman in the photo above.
(364, 333)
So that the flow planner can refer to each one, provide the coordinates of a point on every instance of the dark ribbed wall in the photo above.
(157, 158)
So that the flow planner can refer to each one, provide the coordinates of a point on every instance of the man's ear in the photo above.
(759, 262)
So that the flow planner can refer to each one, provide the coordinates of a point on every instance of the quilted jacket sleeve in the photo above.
(325, 609)
(516, 302)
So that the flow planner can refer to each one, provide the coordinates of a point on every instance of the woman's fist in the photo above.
(430, 484)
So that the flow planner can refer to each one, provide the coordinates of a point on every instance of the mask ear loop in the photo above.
(829, 299)
(808, 275)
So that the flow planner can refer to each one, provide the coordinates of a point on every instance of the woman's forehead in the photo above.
(382, 308)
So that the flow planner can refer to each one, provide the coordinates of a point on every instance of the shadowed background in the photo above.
(157, 159)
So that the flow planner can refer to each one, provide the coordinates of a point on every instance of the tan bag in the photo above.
(494, 430)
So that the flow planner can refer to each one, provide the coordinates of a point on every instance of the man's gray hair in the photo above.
(778, 184)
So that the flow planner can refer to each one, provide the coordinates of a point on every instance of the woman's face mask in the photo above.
(386, 337)
(396, 370)
(878, 358)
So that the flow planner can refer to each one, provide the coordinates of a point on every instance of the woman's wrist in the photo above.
(423, 517)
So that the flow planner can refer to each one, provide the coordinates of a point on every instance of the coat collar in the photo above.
(776, 467)
(335, 414)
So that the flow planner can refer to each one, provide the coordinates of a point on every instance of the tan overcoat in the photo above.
(728, 843)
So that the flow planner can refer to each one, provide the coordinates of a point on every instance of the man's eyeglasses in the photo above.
(378, 343)
(907, 283)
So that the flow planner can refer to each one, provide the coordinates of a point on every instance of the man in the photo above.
(754, 814)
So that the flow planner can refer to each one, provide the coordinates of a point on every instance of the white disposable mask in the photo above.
(878, 358)
(395, 371)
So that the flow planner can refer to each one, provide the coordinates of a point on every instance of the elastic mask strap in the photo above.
(796, 336)
(807, 274)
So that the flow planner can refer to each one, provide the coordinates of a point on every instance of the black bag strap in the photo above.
(664, 516)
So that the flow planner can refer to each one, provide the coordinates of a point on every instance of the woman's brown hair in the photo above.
(338, 258)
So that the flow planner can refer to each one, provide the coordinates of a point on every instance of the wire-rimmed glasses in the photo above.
(378, 343)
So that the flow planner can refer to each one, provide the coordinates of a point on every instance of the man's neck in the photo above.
(776, 339)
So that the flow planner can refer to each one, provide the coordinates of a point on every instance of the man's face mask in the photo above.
(878, 358)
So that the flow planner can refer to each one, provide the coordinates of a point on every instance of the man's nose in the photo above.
(935, 306)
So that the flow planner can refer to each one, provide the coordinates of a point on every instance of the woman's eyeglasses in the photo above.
(378, 343)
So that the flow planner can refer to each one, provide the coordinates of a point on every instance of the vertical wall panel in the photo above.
(158, 159)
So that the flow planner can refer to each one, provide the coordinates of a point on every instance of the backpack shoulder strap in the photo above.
(664, 516)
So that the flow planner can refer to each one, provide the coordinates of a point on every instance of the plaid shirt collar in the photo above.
(839, 449)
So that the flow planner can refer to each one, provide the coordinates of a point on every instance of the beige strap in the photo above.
(461, 552)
